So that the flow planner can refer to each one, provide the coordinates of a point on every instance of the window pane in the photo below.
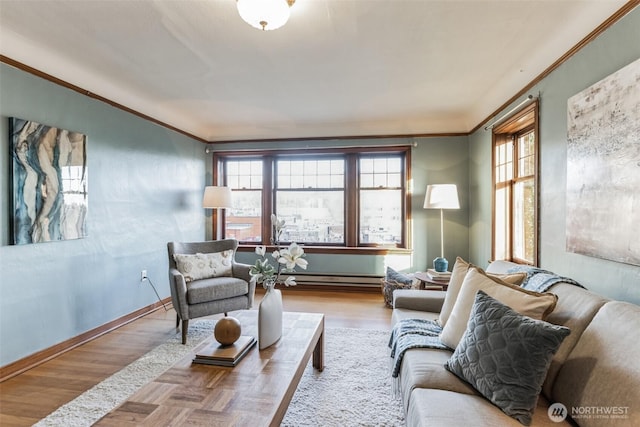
(366, 165)
(244, 181)
(323, 173)
(244, 174)
(256, 168)
(524, 220)
(502, 227)
(366, 180)
(284, 167)
(324, 181)
(337, 167)
(526, 153)
(243, 221)
(394, 165)
(380, 165)
(284, 181)
(310, 181)
(379, 180)
(297, 168)
(394, 180)
(380, 216)
(324, 167)
(386, 172)
(311, 216)
(504, 162)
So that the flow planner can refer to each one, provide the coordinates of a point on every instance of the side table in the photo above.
(429, 283)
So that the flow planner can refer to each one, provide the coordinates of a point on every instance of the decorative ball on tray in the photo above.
(227, 330)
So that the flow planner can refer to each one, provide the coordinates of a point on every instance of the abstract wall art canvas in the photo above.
(603, 168)
(49, 167)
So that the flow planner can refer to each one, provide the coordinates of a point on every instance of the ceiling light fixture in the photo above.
(265, 14)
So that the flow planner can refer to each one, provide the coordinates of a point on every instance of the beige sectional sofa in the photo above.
(595, 373)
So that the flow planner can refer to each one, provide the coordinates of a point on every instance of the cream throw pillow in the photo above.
(528, 303)
(458, 273)
(204, 266)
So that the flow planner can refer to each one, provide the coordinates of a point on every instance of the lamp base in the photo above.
(440, 264)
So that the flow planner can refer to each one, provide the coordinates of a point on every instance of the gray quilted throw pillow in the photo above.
(505, 356)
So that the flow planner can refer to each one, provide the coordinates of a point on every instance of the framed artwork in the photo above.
(603, 168)
(49, 168)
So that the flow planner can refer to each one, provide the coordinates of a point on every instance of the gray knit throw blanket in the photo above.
(413, 333)
(539, 280)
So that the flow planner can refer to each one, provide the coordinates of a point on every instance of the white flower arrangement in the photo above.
(287, 259)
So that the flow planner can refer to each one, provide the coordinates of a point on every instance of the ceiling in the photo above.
(337, 68)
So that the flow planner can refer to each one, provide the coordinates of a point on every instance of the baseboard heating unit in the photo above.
(337, 279)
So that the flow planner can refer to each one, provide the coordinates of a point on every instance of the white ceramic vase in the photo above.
(270, 318)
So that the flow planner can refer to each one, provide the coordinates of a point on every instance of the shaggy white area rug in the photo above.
(353, 390)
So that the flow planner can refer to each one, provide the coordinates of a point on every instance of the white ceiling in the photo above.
(337, 68)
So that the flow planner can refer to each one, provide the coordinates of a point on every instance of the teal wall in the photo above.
(442, 160)
(145, 185)
(617, 47)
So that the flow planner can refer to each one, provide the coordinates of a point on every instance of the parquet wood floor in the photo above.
(34, 394)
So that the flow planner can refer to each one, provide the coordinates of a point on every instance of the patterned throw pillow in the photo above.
(395, 280)
(396, 276)
(529, 303)
(505, 356)
(389, 286)
(204, 266)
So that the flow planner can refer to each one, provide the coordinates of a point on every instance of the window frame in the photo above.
(360, 188)
(351, 194)
(517, 125)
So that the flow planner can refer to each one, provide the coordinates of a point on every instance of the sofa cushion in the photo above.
(528, 303)
(505, 356)
(424, 368)
(419, 300)
(443, 408)
(601, 376)
(459, 272)
(203, 266)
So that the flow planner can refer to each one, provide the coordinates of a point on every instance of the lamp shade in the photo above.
(264, 14)
(441, 196)
(216, 197)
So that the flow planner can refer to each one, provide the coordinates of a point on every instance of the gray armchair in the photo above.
(200, 297)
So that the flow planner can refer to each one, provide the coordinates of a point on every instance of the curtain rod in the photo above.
(528, 99)
(209, 150)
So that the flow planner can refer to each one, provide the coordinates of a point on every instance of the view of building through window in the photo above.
(244, 221)
(309, 192)
(381, 200)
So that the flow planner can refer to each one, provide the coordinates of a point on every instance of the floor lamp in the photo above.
(216, 198)
(441, 196)
(228, 329)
